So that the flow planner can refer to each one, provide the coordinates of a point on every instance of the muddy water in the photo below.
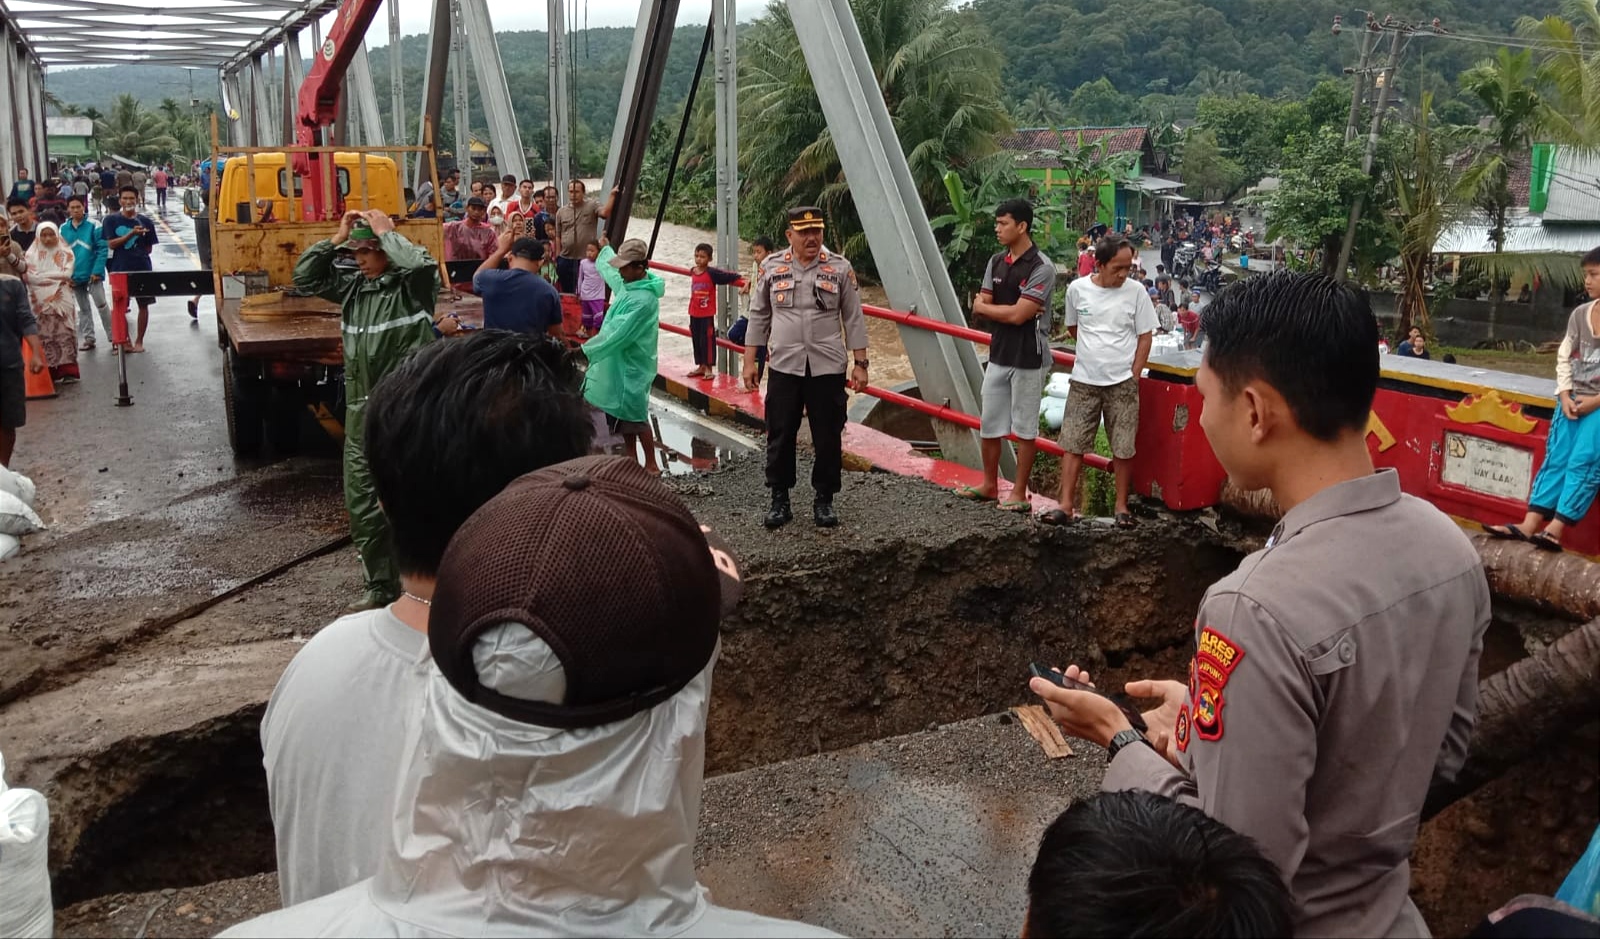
(675, 245)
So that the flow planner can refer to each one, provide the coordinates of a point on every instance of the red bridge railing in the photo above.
(940, 412)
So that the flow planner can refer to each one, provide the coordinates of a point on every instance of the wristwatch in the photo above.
(863, 363)
(1122, 739)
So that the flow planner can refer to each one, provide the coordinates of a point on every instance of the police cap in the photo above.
(804, 217)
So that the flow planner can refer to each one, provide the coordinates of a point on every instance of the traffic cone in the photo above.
(38, 383)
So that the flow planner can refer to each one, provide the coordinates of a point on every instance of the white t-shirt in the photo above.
(1110, 322)
(333, 737)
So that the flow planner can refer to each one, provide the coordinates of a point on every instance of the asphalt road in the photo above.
(94, 461)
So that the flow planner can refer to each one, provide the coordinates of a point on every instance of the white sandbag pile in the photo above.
(25, 909)
(1053, 406)
(17, 517)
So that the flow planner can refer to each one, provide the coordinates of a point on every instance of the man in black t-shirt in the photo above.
(1015, 297)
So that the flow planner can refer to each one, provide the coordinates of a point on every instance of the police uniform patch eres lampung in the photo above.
(1215, 658)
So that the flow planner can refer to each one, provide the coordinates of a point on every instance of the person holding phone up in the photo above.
(130, 236)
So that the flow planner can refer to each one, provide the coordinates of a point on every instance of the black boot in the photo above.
(822, 512)
(780, 514)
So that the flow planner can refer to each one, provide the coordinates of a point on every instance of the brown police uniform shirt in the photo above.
(799, 312)
(1335, 676)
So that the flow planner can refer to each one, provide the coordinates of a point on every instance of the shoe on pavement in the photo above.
(822, 512)
(780, 514)
(194, 310)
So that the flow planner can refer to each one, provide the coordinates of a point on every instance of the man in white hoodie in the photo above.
(551, 784)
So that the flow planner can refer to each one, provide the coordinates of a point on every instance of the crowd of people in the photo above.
(58, 258)
(500, 749)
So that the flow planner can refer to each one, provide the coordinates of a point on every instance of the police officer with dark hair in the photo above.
(806, 297)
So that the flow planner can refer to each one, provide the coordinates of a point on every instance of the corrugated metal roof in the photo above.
(1524, 234)
(1038, 145)
(1575, 190)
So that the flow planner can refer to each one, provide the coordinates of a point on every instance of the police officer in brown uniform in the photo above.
(1335, 672)
(805, 299)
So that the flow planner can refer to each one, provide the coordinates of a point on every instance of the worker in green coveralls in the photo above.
(386, 312)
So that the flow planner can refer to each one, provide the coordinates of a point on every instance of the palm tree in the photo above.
(1571, 110)
(1086, 167)
(1505, 87)
(1041, 108)
(1432, 194)
(1213, 82)
(131, 131)
(940, 79)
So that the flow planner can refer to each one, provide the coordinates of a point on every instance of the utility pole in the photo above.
(1399, 35)
(1369, 43)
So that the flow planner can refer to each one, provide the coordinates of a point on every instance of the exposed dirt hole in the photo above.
(175, 810)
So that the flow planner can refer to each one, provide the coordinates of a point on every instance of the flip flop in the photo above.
(1056, 517)
(1125, 520)
(971, 494)
(1544, 542)
(1016, 505)
(1505, 532)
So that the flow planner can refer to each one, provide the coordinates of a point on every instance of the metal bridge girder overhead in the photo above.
(908, 259)
(560, 102)
(9, 136)
(493, 90)
(724, 18)
(433, 81)
(641, 87)
(294, 72)
(364, 100)
(458, 91)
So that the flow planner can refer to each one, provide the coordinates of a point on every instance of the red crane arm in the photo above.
(319, 101)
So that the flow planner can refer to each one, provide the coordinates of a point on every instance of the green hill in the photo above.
(1182, 48)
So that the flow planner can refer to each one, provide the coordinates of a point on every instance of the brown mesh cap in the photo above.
(606, 565)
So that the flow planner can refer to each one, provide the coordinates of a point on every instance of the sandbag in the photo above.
(17, 519)
(1058, 385)
(25, 908)
(18, 485)
(9, 545)
(1055, 411)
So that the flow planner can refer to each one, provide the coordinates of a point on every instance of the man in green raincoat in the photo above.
(622, 357)
(386, 303)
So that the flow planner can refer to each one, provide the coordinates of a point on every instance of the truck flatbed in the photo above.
(307, 328)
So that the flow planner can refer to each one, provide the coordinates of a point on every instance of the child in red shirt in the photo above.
(703, 282)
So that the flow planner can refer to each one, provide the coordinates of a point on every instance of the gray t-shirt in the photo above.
(1578, 359)
(333, 737)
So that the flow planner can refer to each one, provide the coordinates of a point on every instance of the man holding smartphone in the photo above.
(1331, 683)
(130, 236)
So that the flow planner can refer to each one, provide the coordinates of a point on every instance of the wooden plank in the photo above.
(1036, 721)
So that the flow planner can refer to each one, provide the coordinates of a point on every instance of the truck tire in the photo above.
(242, 398)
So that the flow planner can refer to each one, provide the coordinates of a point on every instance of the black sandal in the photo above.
(1505, 532)
(1544, 542)
(1125, 520)
(1056, 517)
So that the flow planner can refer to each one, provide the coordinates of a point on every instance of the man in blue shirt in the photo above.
(89, 253)
(130, 237)
(517, 298)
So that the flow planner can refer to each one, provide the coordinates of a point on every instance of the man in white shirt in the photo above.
(500, 205)
(335, 730)
(1111, 317)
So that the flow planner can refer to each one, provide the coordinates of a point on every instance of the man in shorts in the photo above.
(1112, 318)
(1015, 298)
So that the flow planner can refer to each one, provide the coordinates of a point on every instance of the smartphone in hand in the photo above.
(1135, 719)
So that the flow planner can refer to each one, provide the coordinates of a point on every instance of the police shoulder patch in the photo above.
(1216, 656)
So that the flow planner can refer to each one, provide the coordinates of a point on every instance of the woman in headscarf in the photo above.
(50, 291)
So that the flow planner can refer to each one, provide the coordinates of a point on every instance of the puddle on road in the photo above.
(685, 443)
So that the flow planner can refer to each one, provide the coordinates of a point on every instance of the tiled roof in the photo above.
(1039, 144)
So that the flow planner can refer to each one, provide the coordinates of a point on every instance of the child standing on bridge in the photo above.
(703, 282)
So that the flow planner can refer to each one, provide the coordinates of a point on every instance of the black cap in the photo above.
(804, 217)
(529, 249)
(529, 556)
(477, 201)
(508, 178)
